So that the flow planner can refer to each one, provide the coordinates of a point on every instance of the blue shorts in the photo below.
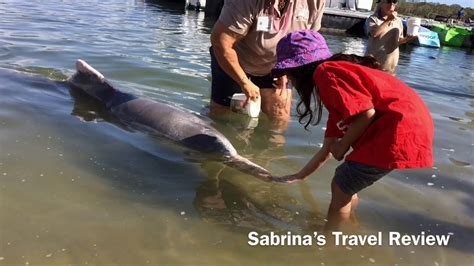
(223, 86)
(352, 177)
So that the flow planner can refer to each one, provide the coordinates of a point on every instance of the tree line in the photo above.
(431, 10)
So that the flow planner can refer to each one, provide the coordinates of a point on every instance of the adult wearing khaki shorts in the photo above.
(243, 51)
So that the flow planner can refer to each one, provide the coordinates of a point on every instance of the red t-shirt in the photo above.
(400, 136)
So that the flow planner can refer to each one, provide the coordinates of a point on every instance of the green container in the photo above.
(452, 36)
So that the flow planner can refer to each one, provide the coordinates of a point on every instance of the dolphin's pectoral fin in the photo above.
(204, 143)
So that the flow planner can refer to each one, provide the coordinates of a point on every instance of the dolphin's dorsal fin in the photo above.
(83, 67)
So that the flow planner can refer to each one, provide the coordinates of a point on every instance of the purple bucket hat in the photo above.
(300, 48)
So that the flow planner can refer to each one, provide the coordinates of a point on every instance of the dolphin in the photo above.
(161, 119)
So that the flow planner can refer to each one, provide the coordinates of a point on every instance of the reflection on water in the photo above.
(77, 187)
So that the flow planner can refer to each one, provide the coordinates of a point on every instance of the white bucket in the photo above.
(413, 26)
(237, 102)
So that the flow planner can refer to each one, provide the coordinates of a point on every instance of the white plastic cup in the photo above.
(237, 102)
(413, 26)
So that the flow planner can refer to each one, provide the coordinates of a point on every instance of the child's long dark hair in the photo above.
(304, 85)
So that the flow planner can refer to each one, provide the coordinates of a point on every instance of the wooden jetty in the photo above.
(349, 21)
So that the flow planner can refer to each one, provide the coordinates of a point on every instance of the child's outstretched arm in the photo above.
(314, 164)
(357, 127)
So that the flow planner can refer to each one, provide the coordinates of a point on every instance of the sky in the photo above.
(464, 3)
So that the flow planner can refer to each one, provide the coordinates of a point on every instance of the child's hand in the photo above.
(338, 150)
(280, 83)
(288, 179)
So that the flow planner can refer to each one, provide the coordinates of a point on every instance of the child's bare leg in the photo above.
(340, 208)
(354, 202)
(354, 205)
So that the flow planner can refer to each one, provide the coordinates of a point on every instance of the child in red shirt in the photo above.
(385, 122)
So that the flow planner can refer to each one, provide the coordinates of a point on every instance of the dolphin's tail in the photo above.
(245, 165)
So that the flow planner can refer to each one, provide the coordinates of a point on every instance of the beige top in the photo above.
(385, 48)
(257, 49)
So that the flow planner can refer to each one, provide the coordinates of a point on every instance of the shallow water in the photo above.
(77, 188)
